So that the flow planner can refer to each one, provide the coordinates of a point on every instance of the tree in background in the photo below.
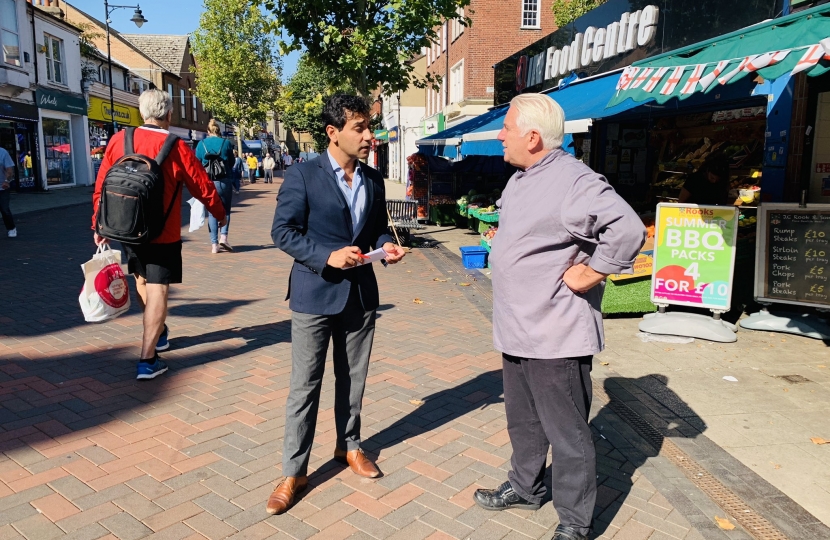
(237, 72)
(566, 11)
(301, 101)
(365, 42)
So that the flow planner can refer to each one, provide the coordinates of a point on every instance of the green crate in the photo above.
(443, 214)
(489, 217)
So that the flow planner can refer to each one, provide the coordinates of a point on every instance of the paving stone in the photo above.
(405, 515)
(210, 527)
(370, 525)
(126, 527)
(217, 506)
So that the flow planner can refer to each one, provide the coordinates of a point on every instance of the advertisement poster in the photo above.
(694, 255)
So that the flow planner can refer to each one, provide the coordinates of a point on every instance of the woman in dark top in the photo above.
(216, 145)
(709, 185)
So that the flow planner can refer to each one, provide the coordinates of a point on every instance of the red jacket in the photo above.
(180, 166)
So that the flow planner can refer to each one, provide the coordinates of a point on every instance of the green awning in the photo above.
(784, 46)
(381, 134)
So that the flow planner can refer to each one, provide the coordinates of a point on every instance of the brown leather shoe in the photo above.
(358, 462)
(283, 496)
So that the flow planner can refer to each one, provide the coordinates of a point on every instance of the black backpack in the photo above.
(215, 167)
(131, 209)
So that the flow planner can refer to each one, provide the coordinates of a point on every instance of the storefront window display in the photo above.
(58, 148)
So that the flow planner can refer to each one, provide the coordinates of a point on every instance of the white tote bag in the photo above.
(105, 294)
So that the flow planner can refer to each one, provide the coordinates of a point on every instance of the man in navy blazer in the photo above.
(330, 212)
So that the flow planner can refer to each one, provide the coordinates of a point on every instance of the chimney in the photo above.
(52, 7)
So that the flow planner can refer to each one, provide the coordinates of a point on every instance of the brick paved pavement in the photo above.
(88, 452)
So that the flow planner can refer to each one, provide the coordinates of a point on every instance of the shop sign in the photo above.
(381, 134)
(434, 124)
(60, 101)
(18, 111)
(735, 115)
(694, 255)
(125, 115)
(393, 134)
(822, 168)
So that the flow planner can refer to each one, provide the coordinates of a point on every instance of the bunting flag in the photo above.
(655, 79)
(825, 44)
(632, 72)
(709, 80)
(642, 78)
(676, 75)
(694, 78)
(624, 78)
(731, 75)
(810, 58)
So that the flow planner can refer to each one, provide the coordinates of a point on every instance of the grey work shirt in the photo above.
(556, 214)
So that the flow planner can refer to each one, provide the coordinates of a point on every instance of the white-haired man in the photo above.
(158, 264)
(562, 230)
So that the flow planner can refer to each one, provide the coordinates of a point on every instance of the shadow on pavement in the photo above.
(201, 308)
(244, 249)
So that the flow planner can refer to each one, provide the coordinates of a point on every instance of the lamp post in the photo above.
(139, 20)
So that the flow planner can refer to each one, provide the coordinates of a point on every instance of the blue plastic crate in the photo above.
(473, 256)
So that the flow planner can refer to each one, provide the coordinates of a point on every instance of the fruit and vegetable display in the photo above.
(441, 199)
(491, 232)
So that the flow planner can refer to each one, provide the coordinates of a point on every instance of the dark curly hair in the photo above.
(339, 108)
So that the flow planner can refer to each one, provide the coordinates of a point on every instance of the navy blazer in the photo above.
(312, 220)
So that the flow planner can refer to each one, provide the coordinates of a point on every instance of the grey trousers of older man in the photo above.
(547, 402)
(351, 333)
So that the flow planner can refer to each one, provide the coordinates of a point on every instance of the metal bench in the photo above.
(403, 216)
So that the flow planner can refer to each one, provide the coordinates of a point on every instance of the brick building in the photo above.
(467, 54)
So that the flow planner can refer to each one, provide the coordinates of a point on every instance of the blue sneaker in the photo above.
(150, 371)
(163, 344)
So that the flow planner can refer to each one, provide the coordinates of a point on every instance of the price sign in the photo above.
(694, 255)
(793, 255)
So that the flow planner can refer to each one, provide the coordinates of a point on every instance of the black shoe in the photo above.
(567, 533)
(502, 498)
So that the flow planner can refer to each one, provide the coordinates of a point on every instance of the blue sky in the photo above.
(164, 17)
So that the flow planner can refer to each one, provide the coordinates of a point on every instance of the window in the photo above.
(54, 59)
(8, 32)
(429, 56)
(530, 13)
(195, 116)
(457, 82)
(443, 91)
(444, 37)
(104, 75)
(170, 90)
(183, 105)
(457, 27)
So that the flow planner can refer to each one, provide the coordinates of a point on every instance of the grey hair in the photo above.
(155, 104)
(540, 113)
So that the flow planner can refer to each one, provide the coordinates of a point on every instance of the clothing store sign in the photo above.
(694, 255)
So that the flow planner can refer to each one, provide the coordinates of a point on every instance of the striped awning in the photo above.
(785, 46)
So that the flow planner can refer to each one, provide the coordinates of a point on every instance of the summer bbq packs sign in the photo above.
(694, 255)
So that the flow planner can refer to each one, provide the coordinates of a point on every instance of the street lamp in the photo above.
(139, 20)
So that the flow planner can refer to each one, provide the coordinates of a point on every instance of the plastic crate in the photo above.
(473, 256)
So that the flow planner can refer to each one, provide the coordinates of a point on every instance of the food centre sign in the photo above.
(592, 46)
(694, 255)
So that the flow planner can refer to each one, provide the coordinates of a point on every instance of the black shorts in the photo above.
(157, 263)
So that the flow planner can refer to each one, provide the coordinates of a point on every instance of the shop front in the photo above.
(64, 130)
(100, 116)
(19, 136)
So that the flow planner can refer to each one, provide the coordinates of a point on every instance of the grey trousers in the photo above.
(547, 403)
(352, 332)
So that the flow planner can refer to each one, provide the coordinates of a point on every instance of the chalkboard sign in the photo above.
(793, 255)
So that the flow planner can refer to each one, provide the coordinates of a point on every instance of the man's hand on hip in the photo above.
(347, 257)
(581, 278)
(394, 253)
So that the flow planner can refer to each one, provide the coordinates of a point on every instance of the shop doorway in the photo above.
(58, 148)
(383, 159)
(19, 139)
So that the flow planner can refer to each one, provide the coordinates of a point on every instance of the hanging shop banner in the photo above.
(60, 101)
(125, 115)
(793, 255)
(694, 255)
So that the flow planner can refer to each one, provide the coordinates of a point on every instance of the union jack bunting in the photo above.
(670, 85)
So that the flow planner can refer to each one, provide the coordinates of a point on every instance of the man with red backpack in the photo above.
(137, 201)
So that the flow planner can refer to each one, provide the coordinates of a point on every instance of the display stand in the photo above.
(689, 325)
(792, 267)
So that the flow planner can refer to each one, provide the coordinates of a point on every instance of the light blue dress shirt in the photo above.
(355, 195)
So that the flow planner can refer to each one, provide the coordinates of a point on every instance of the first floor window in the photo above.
(195, 117)
(9, 38)
(183, 105)
(457, 27)
(530, 14)
(54, 59)
(457, 82)
(170, 90)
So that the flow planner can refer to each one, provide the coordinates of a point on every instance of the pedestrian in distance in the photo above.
(253, 167)
(156, 264)
(7, 175)
(236, 172)
(330, 211)
(268, 165)
(548, 332)
(27, 164)
(217, 157)
(288, 160)
(245, 169)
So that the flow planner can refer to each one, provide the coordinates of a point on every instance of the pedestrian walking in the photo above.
(333, 297)
(27, 164)
(562, 230)
(268, 165)
(158, 264)
(7, 167)
(253, 166)
(237, 172)
(216, 154)
(287, 159)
